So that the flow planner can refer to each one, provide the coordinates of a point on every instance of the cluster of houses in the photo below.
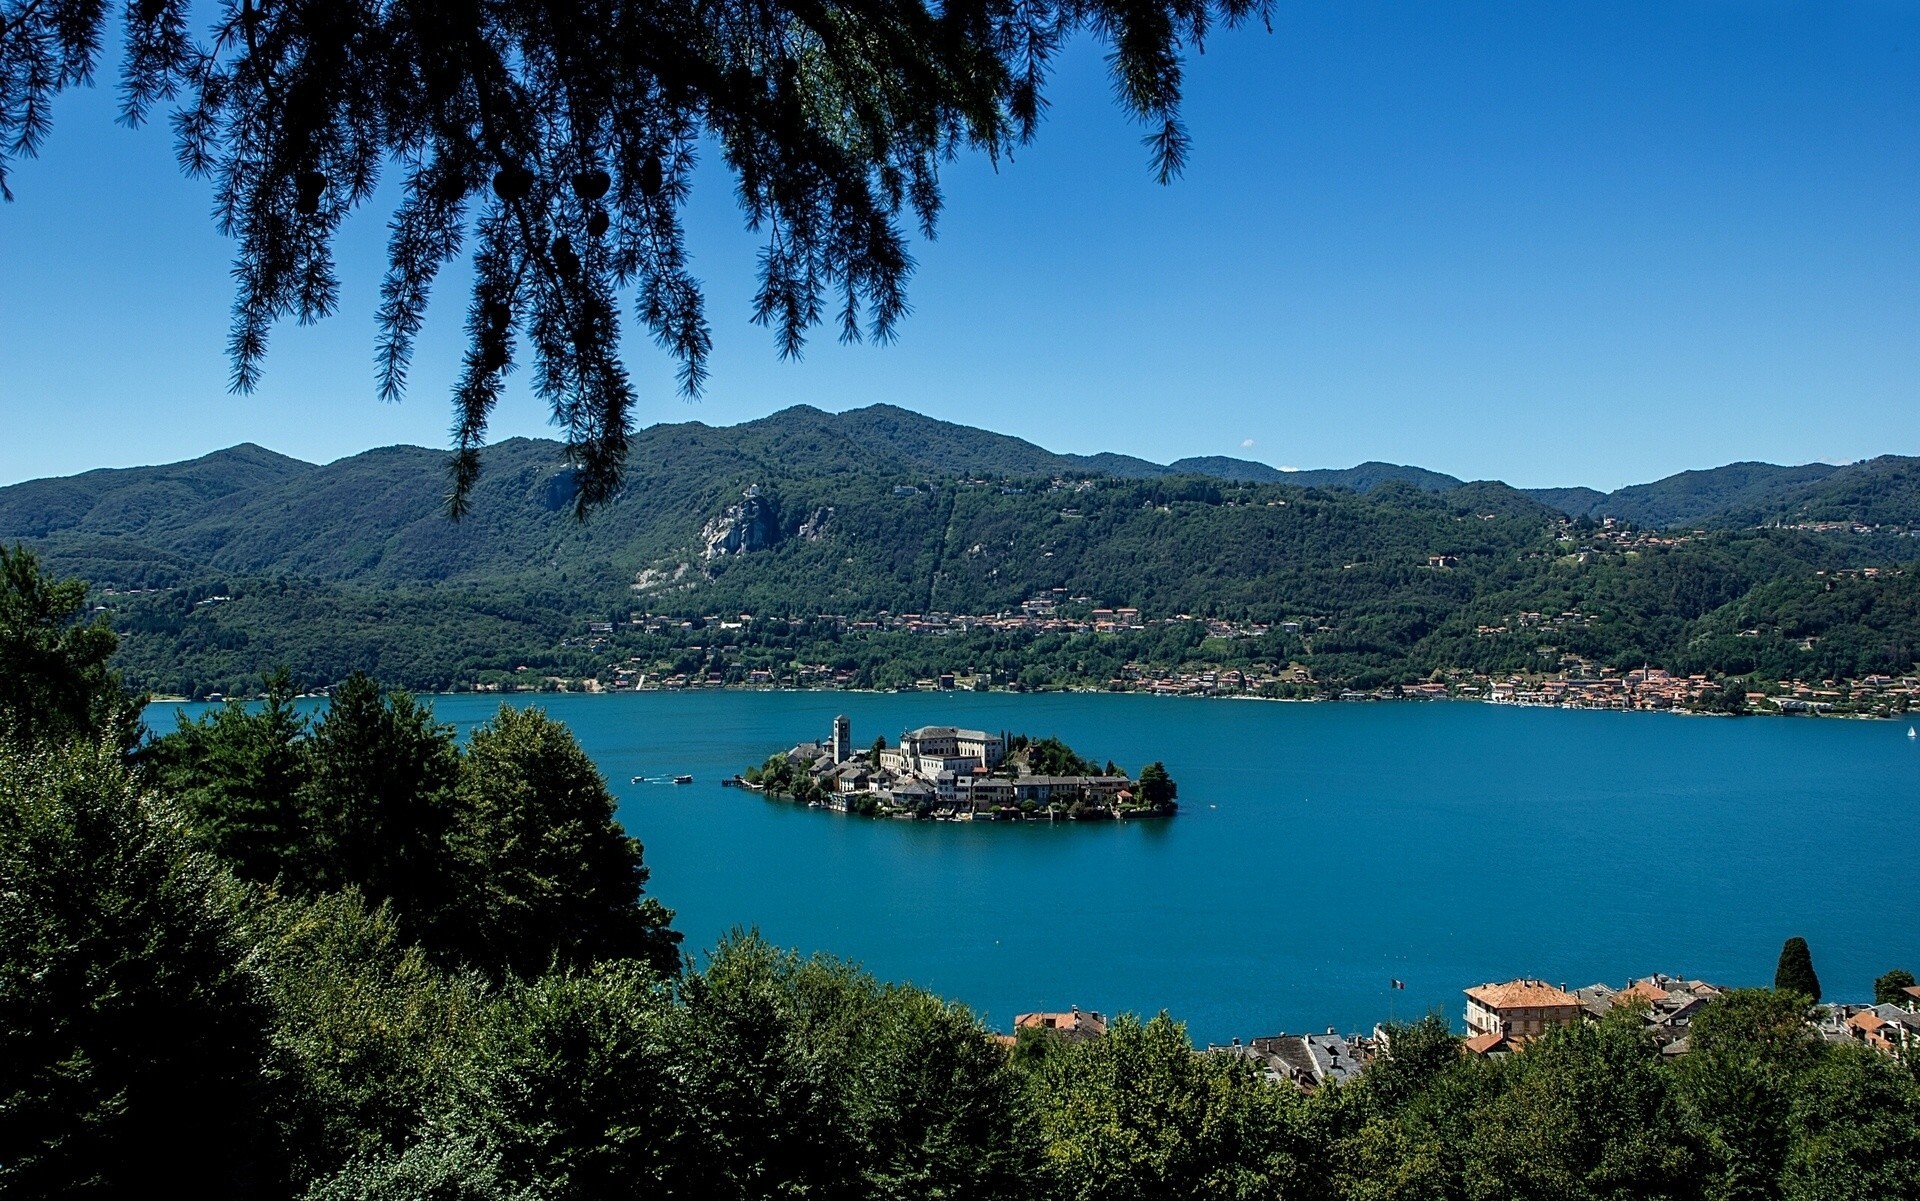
(1642, 688)
(1502, 1018)
(954, 774)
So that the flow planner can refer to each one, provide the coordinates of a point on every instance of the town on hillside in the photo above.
(1501, 1019)
(725, 651)
(947, 773)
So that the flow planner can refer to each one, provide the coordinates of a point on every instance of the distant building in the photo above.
(1889, 1029)
(1307, 1061)
(842, 739)
(1074, 1025)
(1519, 1009)
(1671, 1003)
(930, 750)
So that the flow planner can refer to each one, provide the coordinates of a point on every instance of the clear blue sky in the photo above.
(1552, 243)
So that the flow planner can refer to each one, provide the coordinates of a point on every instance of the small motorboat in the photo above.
(638, 780)
(683, 779)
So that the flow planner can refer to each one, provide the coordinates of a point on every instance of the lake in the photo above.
(1321, 851)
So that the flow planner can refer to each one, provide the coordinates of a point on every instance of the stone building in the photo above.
(1519, 1009)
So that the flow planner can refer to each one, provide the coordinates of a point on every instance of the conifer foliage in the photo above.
(1795, 971)
(559, 140)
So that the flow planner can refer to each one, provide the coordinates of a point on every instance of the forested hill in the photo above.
(234, 562)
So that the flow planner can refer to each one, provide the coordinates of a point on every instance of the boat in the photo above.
(1911, 734)
(638, 780)
(683, 779)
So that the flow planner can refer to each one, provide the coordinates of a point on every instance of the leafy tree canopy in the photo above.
(560, 139)
(130, 1028)
(551, 875)
(54, 678)
(1890, 989)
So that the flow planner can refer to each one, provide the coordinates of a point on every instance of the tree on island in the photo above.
(1795, 972)
(562, 140)
(1890, 989)
(1156, 786)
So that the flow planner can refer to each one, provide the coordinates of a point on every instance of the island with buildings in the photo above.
(946, 773)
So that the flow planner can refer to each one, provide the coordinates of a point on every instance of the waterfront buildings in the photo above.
(1517, 1010)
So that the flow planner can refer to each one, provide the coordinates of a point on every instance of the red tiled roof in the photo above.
(1481, 1044)
(1518, 993)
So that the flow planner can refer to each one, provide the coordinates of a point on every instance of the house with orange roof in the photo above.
(1888, 1029)
(1519, 1009)
(1074, 1025)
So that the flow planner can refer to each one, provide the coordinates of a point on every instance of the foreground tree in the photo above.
(54, 680)
(1747, 1050)
(379, 799)
(1138, 1114)
(550, 877)
(562, 139)
(132, 1034)
(239, 770)
(1852, 1129)
(1891, 988)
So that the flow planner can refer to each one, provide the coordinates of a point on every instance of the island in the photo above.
(946, 773)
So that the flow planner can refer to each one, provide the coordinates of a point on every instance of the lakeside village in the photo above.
(1502, 1019)
(946, 773)
(1577, 684)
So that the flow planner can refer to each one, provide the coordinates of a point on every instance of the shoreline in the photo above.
(1165, 696)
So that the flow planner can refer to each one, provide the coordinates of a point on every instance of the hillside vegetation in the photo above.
(221, 567)
(349, 955)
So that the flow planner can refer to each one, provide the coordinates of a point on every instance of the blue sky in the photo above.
(1554, 243)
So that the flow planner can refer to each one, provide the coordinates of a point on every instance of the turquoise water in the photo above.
(1321, 851)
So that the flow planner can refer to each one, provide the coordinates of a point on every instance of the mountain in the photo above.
(217, 568)
(1883, 491)
(1693, 496)
(1363, 478)
(1574, 502)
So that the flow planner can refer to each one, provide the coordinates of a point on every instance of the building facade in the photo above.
(1520, 1009)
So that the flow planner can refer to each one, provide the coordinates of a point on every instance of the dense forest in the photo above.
(348, 957)
(215, 570)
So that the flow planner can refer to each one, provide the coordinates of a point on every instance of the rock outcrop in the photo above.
(752, 523)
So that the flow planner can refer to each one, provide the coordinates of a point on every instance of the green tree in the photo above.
(562, 142)
(132, 1033)
(1157, 788)
(1795, 972)
(1052, 757)
(1417, 1054)
(1852, 1125)
(1139, 1114)
(1890, 989)
(1746, 1051)
(576, 1087)
(379, 797)
(365, 1031)
(550, 876)
(240, 771)
(935, 1103)
(770, 1089)
(54, 678)
(1585, 1113)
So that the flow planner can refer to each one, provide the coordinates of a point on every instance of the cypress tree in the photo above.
(1795, 973)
